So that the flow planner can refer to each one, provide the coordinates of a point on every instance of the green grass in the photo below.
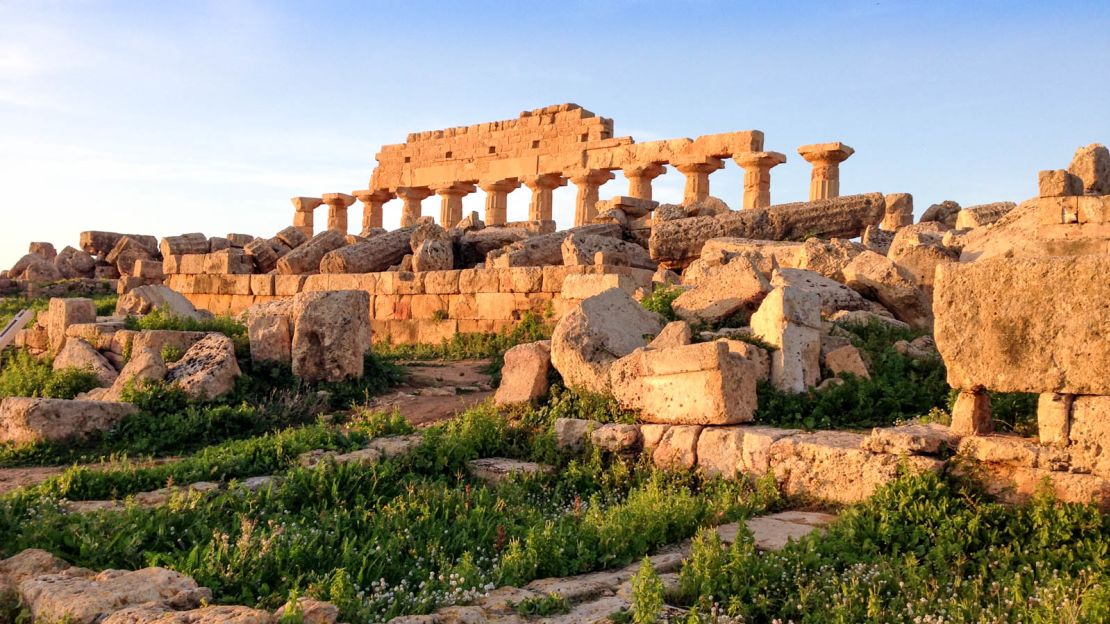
(10, 306)
(900, 388)
(923, 549)
(403, 536)
(162, 319)
(660, 301)
(23, 375)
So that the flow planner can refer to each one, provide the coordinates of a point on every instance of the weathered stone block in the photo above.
(62, 313)
(698, 384)
(27, 421)
(525, 373)
(331, 334)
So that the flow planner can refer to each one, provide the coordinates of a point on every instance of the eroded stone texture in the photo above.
(433, 255)
(524, 375)
(88, 600)
(722, 292)
(678, 447)
(600, 330)
(81, 355)
(26, 420)
(879, 277)
(790, 319)
(697, 384)
(208, 369)
(307, 257)
(581, 249)
(544, 249)
(945, 212)
(145, 365)
(62, 313)
(833, 295)
(331, 335)
(1089, 433)
(1026, 325)
(1091, 165)
(270, 330)
(373, 255)
(913, 439)
(985, 214)
(827, 257)
(145, 299)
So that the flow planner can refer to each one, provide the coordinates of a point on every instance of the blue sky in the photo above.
(168, 117)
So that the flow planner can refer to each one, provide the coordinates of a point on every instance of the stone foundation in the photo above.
(418, 307)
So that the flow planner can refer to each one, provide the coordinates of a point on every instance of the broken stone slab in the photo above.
(127, 252)
(151, 613)
(674, 334)
(945, 212)
(723, 291)
(375, 254)
(830, 465)
(833, 295)
(899, 212)
(524, 374)
(308, 257)
(917, 250)
(72, 262)
(774, 531)
(30, 420)
(146, 299)
(1089, 434)
(677, 242)
(80, 355)
(827, 257)
(912, 439)
(208, 369)
(983, 214)
(61, 313)
(580, 249)
(697, 384)
(596, 333)
(1091, 164)
(572, 433)
(616, 438)
(876, 240)
(193, 243)
(270, 331)
(678, 448)
(765, 254)
(160, 339)
(331, 335)
(865, 317)
(846, 359)
(433, 255)
(544, 249)
(145, 365)
(262, 254)
(1026, 324)
(89, 600)
(474, 246)
(879, 277)
(495, 470)
(790, 320)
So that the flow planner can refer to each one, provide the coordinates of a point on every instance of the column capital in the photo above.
(761, 160)
(306, 204)
(825, 153)
(368, 196)
(339, 200)
(589, 176)
(454, 188)
(507, 185)
(545, 181)
(413, 193)
(647, 170)
(698, 164)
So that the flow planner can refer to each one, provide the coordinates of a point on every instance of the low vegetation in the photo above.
(22, 375)
(10, 306)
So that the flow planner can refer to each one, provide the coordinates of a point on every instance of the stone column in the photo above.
(302, 215)
(640, 177)
(542, 185)
(697, 177)
(338, 203)
(588, 182)
(497, 199)
(451, 207)
(757, 176)
(824, 183)
(373, 202)
(411, 196)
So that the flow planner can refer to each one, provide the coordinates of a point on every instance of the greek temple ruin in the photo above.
(543, 150)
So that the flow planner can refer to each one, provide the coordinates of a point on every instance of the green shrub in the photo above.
(647, 594)
(1015, 412)
(23, 375)
(10, 306)
(660, 301)
(541, 606)
(162, 318)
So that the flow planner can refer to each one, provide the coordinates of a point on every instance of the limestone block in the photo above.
(27, 420)
(146, 364)
(72, 262)
(270, 330)
(81, 355)
(262, 285)
(830, 465)
(524, 375)
(899, 211)
(697, 384)
(544, 249)
(126, 252)
(480, 281)
(427, 306)
(846, 359)
(1054, 418)
(1043, 330)
(945, 212)
(678, 447)
(496, 306)
(288, 285)
(292, 236)
(720, 451)
(725, 290)
(674, 334)
(600, 330)
(827, 257)
(1059, 183)
(442, 282)
(432, 255)
(572, 433)
(913, 439)
(880, 278)
(144, 299)
(208, 369)
(790, 320)
(1091, 164)
(758, 356)
(218, 243)
(192, 264)
(331, 334)
(494, 470)
(756, 450)
(616, 438)
(98, 243)
(971, 414)
(580, 249)
(878, 241)
(93, 599)
(833, 295)
(985, 214)
(227, 261)
(520, 280)
(61, 313)
(473, 246)
(193, 244)
(583, 285)
(1089, 433)
(917, 252)
(262, 254)
(1089, 210)
(308, 257)
(100, 334)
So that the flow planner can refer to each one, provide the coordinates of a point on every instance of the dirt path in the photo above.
(435, 391)
(15, 478)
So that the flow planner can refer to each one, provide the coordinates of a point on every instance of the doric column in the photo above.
(338, 203)
(450, 208)
(542, 185)
(411, 196)
(302, 213)
(497, 199)
(588, 182)
(824, 183)
(697, 177)
(372, 203)
(757, 176)
(640, 177)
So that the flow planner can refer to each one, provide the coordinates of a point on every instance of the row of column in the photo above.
(824, 183)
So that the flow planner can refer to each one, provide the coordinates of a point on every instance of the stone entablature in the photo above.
(547, 148)
(420, 307)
